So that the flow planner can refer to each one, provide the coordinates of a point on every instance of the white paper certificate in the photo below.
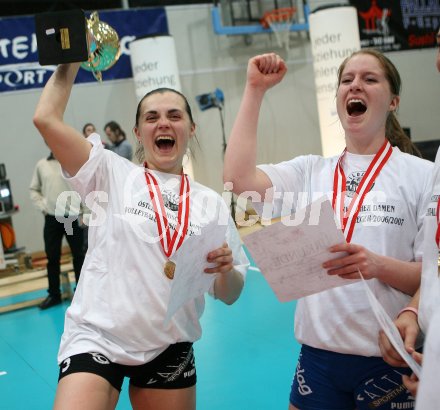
(290, 253)
(390, 329)
(190, 281)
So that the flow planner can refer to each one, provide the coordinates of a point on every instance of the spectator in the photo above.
(46, 186)
(117, 136)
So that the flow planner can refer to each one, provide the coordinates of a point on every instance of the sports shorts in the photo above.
(174, 368)
(327, 380)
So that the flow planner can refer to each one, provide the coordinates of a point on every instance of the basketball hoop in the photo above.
(279, 20)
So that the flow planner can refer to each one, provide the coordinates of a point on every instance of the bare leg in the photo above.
(85, 391)
(163, 399)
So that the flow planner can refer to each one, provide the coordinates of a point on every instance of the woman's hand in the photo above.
(412, 382)
(265, 70)
(357, 258)
(408, 328)
(227, 285)
(222, 257)
(401, 275)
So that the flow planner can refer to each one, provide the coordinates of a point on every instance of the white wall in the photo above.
(289, 120)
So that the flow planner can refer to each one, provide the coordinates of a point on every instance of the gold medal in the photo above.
(170, 243)
(169, 269)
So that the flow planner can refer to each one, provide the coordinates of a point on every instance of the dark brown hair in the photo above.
(140, 149)
(87, 125)
(116, 128)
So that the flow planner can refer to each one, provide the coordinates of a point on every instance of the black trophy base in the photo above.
(61, 37)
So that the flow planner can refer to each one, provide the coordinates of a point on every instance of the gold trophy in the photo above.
(102, 44)
(67, 37)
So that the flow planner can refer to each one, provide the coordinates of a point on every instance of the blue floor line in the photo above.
(22, 297)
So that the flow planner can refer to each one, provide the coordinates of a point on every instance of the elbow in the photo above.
(45, 118)
(227, 177)
(230, 299)
(40, 121)
(45, 124)
(229, 174)
(230, 295)
(231, 183)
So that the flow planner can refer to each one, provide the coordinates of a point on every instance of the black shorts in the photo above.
(174, 368)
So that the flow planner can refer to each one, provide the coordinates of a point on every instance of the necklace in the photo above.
(348, 218)
(169, 243)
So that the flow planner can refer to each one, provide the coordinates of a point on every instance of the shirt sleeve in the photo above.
(288, 183)
(422, 208)
(36, 191)
(92, 175)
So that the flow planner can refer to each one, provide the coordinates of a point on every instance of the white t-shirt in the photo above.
(389, 223)
(427, 394)
(430, 286)
(121, 299)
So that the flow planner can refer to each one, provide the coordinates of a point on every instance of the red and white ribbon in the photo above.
(169, 243)
(348, 218)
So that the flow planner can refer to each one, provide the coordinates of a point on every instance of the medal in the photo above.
(169, 269)
(348, 218)
(169, 243)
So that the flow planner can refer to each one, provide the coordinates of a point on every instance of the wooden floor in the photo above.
(245, 358)
(16, 290)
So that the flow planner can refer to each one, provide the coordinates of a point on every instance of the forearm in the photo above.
(67, 144)
(228, 286)
(241, 153)
(55, 95)
(404, 276)
(414, 302)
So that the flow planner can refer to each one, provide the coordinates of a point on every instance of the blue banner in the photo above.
(19, 67)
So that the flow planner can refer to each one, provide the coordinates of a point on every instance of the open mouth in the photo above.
(165, 142)
(356, 107)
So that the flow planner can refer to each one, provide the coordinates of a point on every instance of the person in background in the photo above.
(117, 136)
(422, 314)
(115, 326)
(45, 189)
(340, 365)
(88, 129)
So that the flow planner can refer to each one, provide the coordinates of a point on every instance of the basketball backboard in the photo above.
(241, 17)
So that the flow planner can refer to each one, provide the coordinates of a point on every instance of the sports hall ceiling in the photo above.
(23, 7)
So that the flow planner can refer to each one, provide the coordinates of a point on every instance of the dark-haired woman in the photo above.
(115, 326)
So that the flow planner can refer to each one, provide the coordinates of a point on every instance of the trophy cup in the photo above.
(68, 36)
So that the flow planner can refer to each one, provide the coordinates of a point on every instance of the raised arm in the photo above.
(263, 72)
(67, 144)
